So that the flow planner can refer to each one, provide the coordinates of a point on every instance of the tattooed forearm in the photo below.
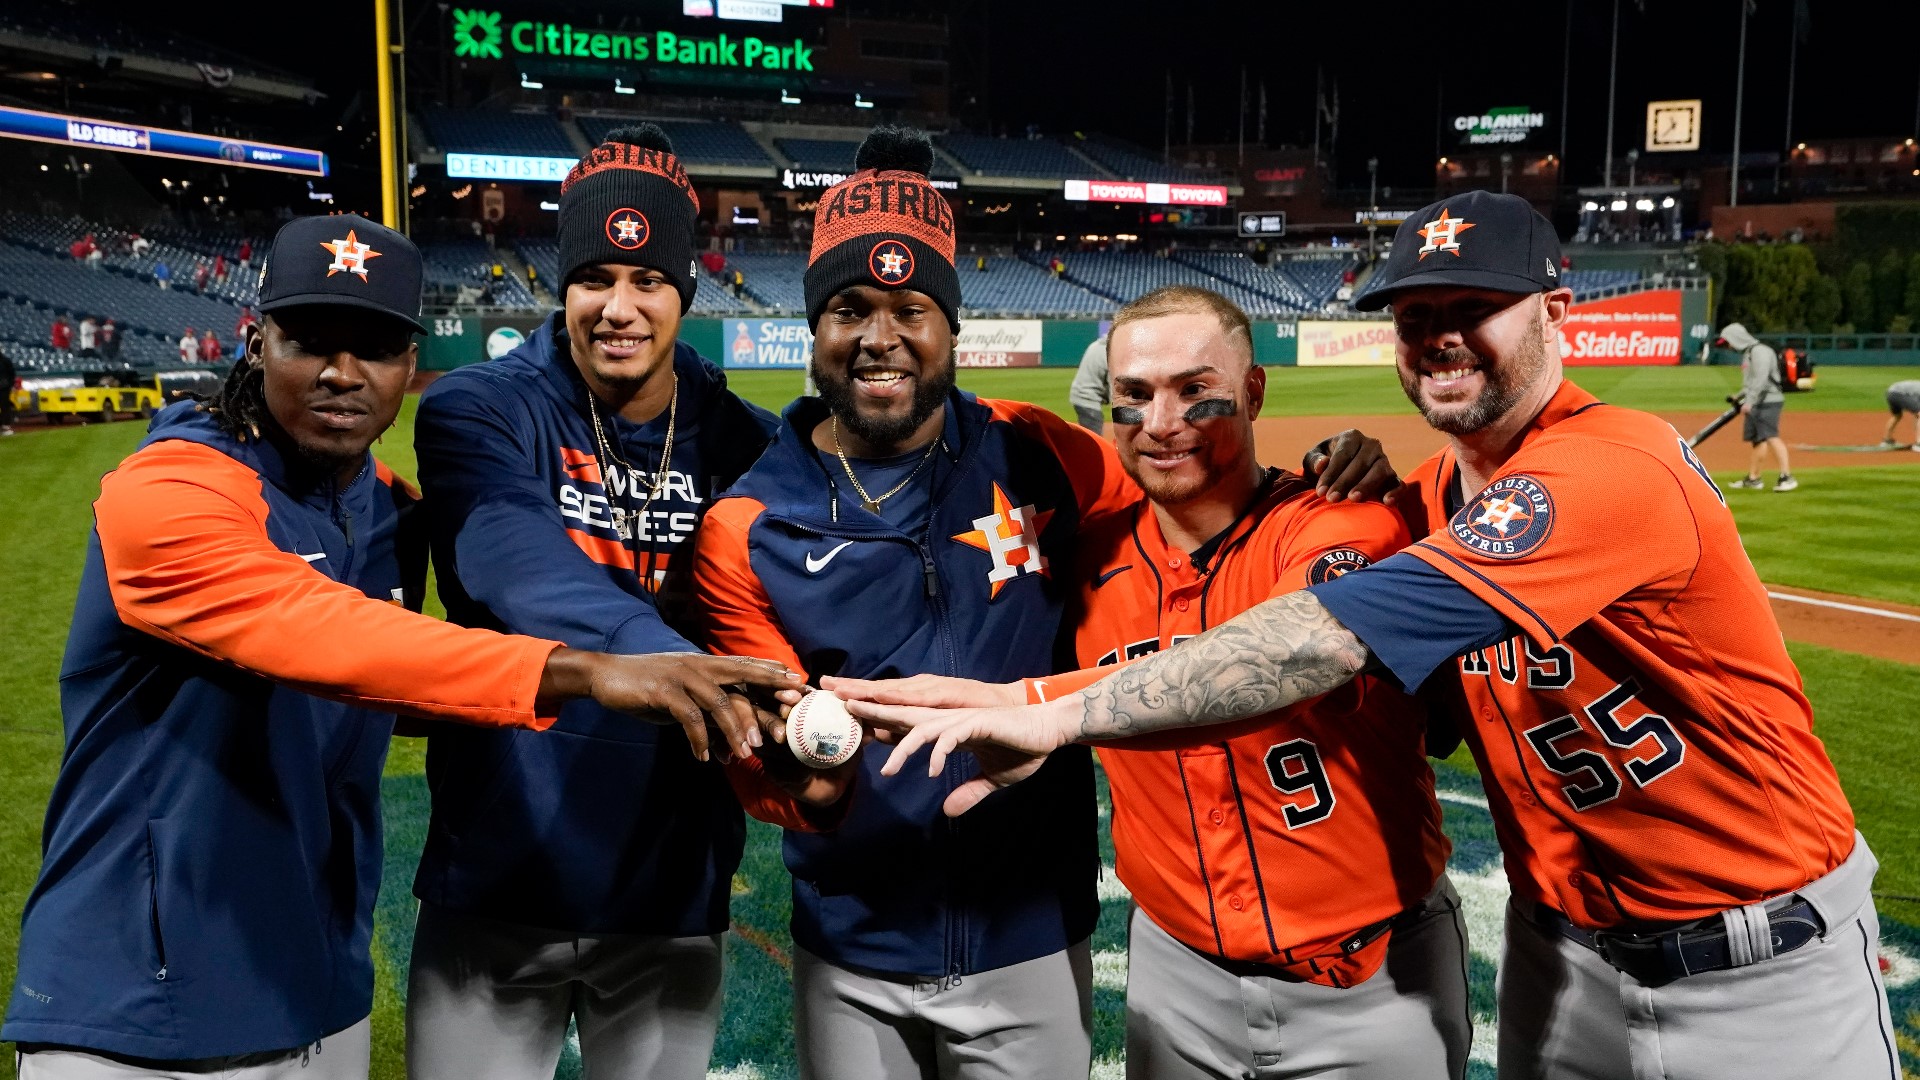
(1279, 652)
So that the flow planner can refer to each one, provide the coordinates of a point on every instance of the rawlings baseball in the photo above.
(821, 732)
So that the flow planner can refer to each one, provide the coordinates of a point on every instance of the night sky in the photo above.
(1399, 66)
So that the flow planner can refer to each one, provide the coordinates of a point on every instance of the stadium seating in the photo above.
(773, 279)
(1013, 287)
(450, 265)
(1125, 275)
(711, 298)
(819, 155)
(1583, 282)
(55, 283)
(484, 132)
(696, 142)
(1319, 279)
(1129, 163)
(1040, 158)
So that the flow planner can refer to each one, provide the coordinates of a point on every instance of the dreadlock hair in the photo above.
(240, 405)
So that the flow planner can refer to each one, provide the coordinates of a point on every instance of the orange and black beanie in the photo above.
(885, 226)
(629, 202)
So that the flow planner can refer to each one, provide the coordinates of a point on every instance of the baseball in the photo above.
(821, 732)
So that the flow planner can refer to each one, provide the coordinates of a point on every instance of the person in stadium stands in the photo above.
(1761, 400)
(189, 347)
(1903, 399)
(162, 276)
(247, 318)
(1088, 391)
(1690, 895)
(60, 334)
(110, 339)
(89, 336)
(1340, 928)
(238, 650)
(246, 252)
(897, 526)
(220, 269)
(96, 257)
(9, 379)
(200, 273)
(585, 875)
(209, 347)
(137, 244)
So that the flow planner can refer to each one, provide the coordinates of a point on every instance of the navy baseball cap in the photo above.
(1476, 239)
(344, 260)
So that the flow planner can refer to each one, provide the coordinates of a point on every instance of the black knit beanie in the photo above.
(885, 226)
(629, 202)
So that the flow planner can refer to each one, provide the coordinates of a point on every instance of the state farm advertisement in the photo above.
(1345, 344)
(1000, 343)
(1639, 328)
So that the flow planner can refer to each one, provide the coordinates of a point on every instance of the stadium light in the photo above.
(1666, 203)
(1643, 205)
(528, 83)
(788, 99)
(861, 103)
(1618, 204)
(1443, 161)
(621, 88)
(1590, 206)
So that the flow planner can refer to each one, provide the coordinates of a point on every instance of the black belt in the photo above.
(1657, 958)
(1349, 945)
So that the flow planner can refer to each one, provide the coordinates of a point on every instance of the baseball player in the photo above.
(1690, 897)
(585, 876)
(1903, 399)
(896, 526)
(1291, 917)
(239, 648)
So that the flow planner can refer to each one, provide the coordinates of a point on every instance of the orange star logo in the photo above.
(1011, 537)
(350, 255)
(1443, 234)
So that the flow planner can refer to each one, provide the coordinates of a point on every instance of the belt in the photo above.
(1348, 945)
(1657, 958)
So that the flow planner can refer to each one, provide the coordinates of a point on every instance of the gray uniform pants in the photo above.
(1190, 1019)
(1024, 1022)
(343, 1055)
(492, 999)
(1819, 1011)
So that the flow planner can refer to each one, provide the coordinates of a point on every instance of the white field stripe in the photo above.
(747, 1071)
(1110, 886)
(1110, 1068)
(1463, 798)
(1110, 969)
(1882, 612)
(1902, 970)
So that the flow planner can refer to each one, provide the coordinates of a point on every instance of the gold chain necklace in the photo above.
(623, 522)
(867, 501)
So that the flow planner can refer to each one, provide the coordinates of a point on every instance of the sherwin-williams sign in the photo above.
(1638, 328)
(486, 35)
(767, 343)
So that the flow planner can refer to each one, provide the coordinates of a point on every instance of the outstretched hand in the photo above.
(690, 689)
(1010, 743)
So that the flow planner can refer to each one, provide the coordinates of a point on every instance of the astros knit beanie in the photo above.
(885, 226)
(629, 202)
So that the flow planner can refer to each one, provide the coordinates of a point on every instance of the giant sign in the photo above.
(157, 142)
(767, 343)
(486, 35)
(1638, 328)
(1506, 124)
(999, 343)
(1330, 343)
(1129, 191)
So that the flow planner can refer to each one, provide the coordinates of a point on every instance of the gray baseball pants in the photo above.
(344, 1055)
(492, 999)
(1819, 1011)
(1021, 1022)
(1189, 1018)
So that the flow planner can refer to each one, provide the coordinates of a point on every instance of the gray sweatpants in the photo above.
(1819, 1011)
(1188, 1019)
(492, 999)
(344, 1055)
(1021, 1022)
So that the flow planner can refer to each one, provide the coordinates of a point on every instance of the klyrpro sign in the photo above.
(486, 35)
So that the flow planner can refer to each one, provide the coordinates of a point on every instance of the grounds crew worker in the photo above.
(1291, 915)
(239, 648)
(584, 875)
(1690, 896)
(898, 525)
(1761, 400)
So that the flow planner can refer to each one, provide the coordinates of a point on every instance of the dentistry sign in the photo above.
(1348, 343)
(487, 35)
(1000, 343)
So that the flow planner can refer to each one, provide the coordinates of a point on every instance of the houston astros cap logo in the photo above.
(1443, 234)
(350, 255)
(1513, 516)
(891, 262)
(627, 229)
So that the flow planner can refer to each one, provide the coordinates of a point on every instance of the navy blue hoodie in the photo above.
(603, 825)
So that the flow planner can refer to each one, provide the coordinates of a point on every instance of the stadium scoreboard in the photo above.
(83, 131)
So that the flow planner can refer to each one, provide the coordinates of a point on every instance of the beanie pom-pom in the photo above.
(889, 148)
(645, 134)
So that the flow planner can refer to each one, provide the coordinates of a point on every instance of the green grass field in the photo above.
(1849, 533)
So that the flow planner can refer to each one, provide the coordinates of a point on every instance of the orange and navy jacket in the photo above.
(1648, 750)
(213, 843)
(790, 567)
(1290, 838)
(606, 824)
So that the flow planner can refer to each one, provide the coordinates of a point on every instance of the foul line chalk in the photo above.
(1883, 613)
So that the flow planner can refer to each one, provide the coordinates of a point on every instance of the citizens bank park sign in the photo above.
(1640, 328)
(480, 34)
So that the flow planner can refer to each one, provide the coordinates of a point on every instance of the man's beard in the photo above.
(930, 391)
(1507, 383)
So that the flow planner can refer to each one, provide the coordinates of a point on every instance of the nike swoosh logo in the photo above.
(315, 557)
(814, 566)
(1109, 575)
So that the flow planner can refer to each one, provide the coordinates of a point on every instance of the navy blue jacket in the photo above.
(212, 847)
(605, 823)
(792, 568)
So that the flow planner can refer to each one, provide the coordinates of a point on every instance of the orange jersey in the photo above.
(1281, 838)
(1648, 752)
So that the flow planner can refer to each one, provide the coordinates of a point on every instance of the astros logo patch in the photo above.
(1443, 234)
(627, 229)
(1513, 516)
(1011, 538)
(890, 262)
(1336, 563)
(349, 255)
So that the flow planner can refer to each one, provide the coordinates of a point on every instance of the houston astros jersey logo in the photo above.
(1335, 563)
(1513, 516)
(627, 229)
(350, 255)
(1443, 234)
(1011, 536)
(891, 262)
